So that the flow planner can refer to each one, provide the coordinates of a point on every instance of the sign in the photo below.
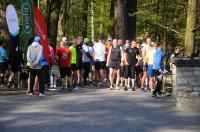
(12, 20)
(41, 30)
(27, 19)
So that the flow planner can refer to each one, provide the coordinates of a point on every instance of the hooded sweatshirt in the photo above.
(34, 55)
(158, 60)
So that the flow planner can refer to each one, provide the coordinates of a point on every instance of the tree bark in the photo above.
(120, 19)
(131, 18)
(111, 29)
(52, 21)
(191, 23)
(84, 17)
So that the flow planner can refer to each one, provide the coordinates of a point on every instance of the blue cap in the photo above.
(37, 39)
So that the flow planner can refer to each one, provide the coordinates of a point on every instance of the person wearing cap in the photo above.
(34, 56)
(87, 58)
(64, 40)
(64, 57)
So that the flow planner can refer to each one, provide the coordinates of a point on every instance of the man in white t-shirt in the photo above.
(99, 60)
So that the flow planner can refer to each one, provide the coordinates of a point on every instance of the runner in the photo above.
(123, 65)
(149, 61)
(132, 53)
(108, 44)
(92, 66)
(3, 61)
(145, 50)
(79, 55)
(74, 63)
(64, 58)
(158, 68)
(99, 60)
(114, 60)
(87, 58)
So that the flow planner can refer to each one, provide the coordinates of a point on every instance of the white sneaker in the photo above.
(42, 94)
(51, 86)
(54, 86)
(76, 87)
(31, 94)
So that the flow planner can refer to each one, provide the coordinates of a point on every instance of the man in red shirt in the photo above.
(64, 57)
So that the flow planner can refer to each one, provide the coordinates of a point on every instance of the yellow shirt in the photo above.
(150, 56)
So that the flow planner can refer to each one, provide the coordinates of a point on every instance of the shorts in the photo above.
(114, 64)
(99, 65)
(79, 66)
(65, 72)
(156, 72)
(74, 67)
(150, 71)
(124, 71)
(139, 69)
(131, 71)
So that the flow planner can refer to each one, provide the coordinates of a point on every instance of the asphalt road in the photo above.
(94, 110)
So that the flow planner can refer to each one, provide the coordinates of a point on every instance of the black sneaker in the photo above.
(69, 89)
(125, 89)
(143, 90)
(133, 89)
(154, 95)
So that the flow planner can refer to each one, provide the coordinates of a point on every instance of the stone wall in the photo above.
(186, 83)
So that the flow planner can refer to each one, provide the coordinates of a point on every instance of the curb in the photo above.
(13, 92)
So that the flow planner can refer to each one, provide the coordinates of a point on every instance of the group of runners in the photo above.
(112, 63)
(121, 65)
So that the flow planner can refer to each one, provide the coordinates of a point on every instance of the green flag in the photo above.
(27, 15)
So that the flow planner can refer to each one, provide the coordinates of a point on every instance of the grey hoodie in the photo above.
(34, 55)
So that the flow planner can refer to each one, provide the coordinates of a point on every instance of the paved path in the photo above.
(94, 110)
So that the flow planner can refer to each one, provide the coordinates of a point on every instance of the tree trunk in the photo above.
(52, 25)
(120, 19)
(111, 29)
(101, 18)
(65, 17)
(84, 17)
(191, 23)
(131, 18)
(92, 20)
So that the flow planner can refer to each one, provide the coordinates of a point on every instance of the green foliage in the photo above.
(159, 17)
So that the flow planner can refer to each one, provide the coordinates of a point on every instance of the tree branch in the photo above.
(196, 28)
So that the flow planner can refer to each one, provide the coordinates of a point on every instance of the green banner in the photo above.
(27, 15)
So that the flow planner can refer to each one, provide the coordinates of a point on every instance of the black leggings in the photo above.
(86, 68)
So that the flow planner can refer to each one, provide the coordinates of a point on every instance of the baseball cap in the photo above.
(86, 40)
(64, 39)
(110, 39)
(37, 39)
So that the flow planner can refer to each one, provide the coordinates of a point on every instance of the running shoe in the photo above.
(31, 94)
(133, 89)
(112, 87)
(117, 87)
(42, 95)
(125, 89)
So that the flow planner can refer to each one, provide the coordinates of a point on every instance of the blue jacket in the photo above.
(158, 60)
(43, 61)
(3, 55)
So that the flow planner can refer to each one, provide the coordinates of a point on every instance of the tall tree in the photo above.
(111, 29)
(52, 20)
(191, 23)
(120, 19)
(84, 17)
(131, 18)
